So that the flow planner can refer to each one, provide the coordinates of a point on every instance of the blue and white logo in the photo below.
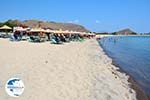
(14, 87)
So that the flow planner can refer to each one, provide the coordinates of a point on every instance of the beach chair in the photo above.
(12, 38)
(34, 39)
(4, 35)
(81, 39)
(42, 39)
(24, 38)
(53, 41)
(58, 40)
(67, 39)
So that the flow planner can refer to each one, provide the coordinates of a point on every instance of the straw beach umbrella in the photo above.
(5, 27)
(20, 29)
(38, 31)
(48, 31)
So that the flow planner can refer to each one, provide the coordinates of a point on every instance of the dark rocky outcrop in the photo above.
(126, 31)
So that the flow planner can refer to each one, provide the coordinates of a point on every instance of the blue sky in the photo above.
(96, 15)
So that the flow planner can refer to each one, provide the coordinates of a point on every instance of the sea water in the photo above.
(132, 54)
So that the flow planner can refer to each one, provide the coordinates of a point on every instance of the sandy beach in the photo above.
(72, 71)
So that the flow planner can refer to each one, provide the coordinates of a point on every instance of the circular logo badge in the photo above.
(14, 87)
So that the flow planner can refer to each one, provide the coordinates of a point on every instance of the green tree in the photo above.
(133, 33)
(114, 33)
(8, 23)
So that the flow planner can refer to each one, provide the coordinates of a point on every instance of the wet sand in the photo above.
(140, 94)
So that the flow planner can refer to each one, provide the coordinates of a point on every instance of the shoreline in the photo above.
(101, 36)
(116, 72)
(73, 71)
(140, 94)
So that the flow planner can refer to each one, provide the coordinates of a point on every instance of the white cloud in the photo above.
(74, 21)
(97, 21)
(70, 22)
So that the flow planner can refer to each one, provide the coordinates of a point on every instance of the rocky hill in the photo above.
(46, 24)
(126, 31)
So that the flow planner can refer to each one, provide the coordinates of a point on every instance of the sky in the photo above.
(95, 15)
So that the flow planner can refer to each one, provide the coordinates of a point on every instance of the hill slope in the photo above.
(126, 31)
(51, 25)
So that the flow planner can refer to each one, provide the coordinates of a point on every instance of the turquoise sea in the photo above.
(132, 54)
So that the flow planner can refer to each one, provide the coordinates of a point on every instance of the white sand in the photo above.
(73, 71)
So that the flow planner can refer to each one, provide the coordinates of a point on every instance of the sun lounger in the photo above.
(24, 38)
(54, 41)
(81, 39)
(34, 39)
(4, 36)
(14, 38)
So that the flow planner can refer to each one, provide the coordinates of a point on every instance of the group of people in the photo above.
(56, 38)
(60, 38)
(41, 37)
